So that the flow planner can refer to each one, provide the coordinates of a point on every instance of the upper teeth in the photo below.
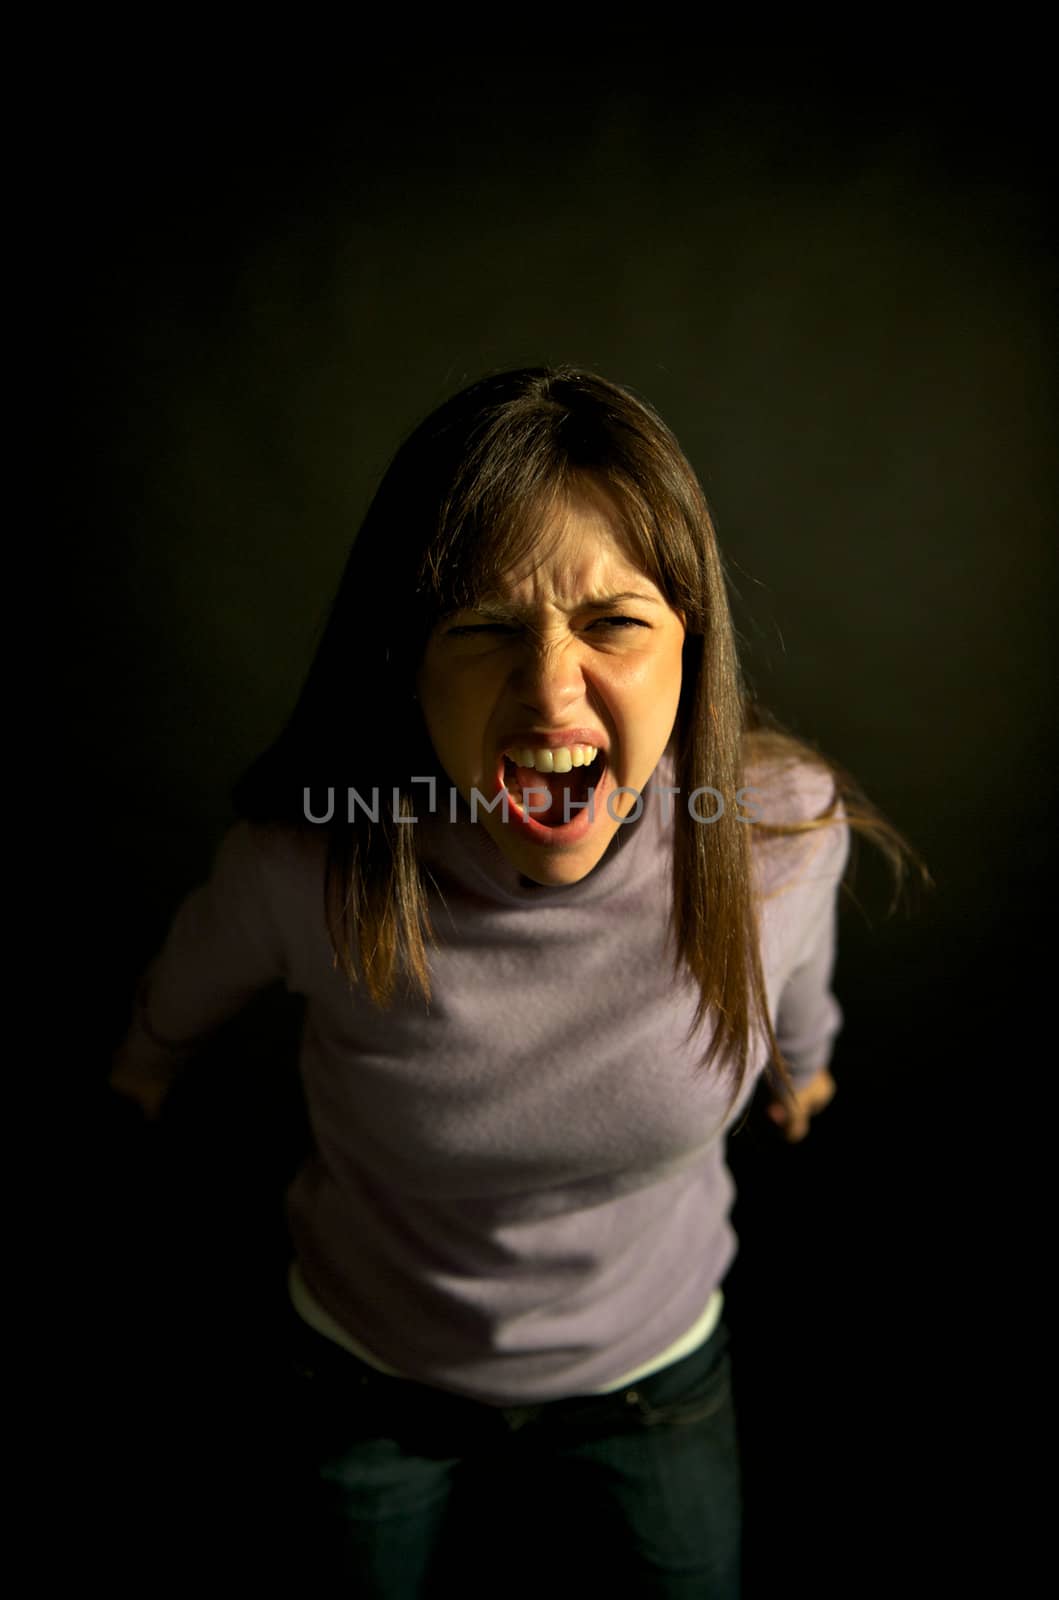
(561, 760)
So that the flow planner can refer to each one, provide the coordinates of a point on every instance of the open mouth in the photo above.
(553, 799)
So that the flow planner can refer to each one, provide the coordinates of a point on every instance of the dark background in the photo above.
(835, 286)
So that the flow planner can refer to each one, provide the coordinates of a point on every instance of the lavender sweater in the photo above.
(519, 1193)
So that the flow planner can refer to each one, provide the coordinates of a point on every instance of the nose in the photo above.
(548, 678)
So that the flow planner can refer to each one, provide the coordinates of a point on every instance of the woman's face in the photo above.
(581, 654)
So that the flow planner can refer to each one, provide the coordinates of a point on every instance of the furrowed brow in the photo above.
(608, 602)
(494, 611)
(498, 611)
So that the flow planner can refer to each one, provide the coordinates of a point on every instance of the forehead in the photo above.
(581, 552)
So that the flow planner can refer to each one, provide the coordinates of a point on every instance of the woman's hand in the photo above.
(792, 1116)
(147, 1085)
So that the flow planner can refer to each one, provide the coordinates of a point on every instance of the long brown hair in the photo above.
(469, 492)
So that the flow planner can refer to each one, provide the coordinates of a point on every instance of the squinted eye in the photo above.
(502, 630)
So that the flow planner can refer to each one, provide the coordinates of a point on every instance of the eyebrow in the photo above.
(497, 611)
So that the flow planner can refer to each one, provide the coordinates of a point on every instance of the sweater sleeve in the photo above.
(223, 946)
(809, 1017)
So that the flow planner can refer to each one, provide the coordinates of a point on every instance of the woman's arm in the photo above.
(223, 946)
(808, 1016)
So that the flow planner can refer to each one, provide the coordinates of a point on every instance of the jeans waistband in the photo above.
(404, 1402)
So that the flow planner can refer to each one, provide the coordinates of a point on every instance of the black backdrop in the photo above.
(836, 293)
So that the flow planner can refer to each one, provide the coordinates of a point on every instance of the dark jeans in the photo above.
(409, 1492)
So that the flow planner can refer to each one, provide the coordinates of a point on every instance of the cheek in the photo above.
(673, 667)
(438, 721)
(453, 718)
(658, 697)
(650, 686)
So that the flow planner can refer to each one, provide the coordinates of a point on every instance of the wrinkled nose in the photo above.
(548, 679)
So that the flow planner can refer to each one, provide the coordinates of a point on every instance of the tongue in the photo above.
(558, 784)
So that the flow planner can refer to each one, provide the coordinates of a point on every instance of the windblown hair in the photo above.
(469, 494)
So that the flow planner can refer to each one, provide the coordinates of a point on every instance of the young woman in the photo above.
(557, 898)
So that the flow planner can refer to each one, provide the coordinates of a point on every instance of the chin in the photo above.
(555, 868)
